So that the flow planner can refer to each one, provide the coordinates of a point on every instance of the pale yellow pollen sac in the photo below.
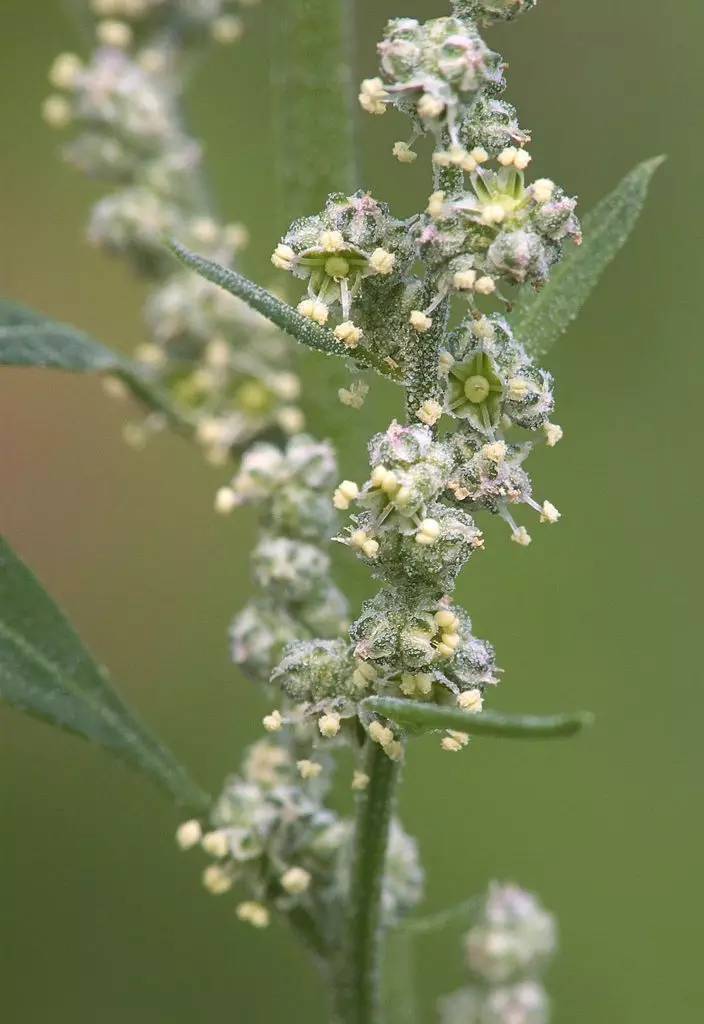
(390, 484)
(309, 769)
(253, 913)
(402, 497)
(314, 310)
(273, 722)
(382, 261)
(549, 513)
(485, 285)
(542, 190)
(216, 879)
(373, 96)
(370, 548)
(380, 734)
(495, 452)
(283, 257)
(445, 362)
(114, 387)
(428, 531)
(429, 412)
(227, 29)
(403, 153)
(56, 111)
(518, 388)
(419, 685)
(331, 241)
(464, 280)
(66, 71)
(114, 33)
(360, 780)
(215, 843)
(479, 154)
(521, 160)
(205, 230)
(430, 107)
(189, 834)
(507, 156)
(446, 619)
(296, 881)
(358, 538)
(553, 433)
(364, 673)
(290, 419)
(521, 537)
(450, 745)
(394, 750)
(378, 476)
(345, 494)
(329, 725)
(493, 213)
(225, 501)
(348, 334)
(471, 701)
(419, 321)
(436, 205)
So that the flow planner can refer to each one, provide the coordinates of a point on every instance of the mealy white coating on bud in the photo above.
(216, 879)
(329, 725)
(309, 769)
(348, 333)
(253, 913)
(189, 834)
(419, 321)
(296, 881)
(403, 153)
(273, 722)
(373, 96)
(471, 701)
(429, 412)
(549, 513)
(215, 843)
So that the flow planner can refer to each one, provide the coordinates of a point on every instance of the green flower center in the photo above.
(477, 388)
(337, 266)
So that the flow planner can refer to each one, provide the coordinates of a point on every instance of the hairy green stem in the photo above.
(315, 101)
(419, 717)
(360, 974)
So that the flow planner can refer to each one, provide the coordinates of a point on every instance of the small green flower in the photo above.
(475, 392)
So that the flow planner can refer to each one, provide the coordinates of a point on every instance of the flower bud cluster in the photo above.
(500, 230)
(291, 489)
(508, 948)
(124, 108)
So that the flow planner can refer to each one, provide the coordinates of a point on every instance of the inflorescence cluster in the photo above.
(429, 296)
(223, 366)
(507, 950)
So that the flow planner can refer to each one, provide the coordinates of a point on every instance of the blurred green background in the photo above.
(100, 918)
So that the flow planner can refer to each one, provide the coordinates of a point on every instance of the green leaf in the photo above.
(542, 318)
(28, 338)
(280, 313)
(418, 717)
(46, 672)
(316, 102)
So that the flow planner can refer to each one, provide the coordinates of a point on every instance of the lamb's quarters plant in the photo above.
(456, 305)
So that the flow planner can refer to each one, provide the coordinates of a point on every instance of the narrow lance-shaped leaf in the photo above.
(541, 318)
(46, 672)
(30, 339)
(418, 717)
(280, 313)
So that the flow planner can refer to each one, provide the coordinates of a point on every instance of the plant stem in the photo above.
(360, 973)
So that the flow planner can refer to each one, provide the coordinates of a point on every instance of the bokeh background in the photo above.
(100, 918)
